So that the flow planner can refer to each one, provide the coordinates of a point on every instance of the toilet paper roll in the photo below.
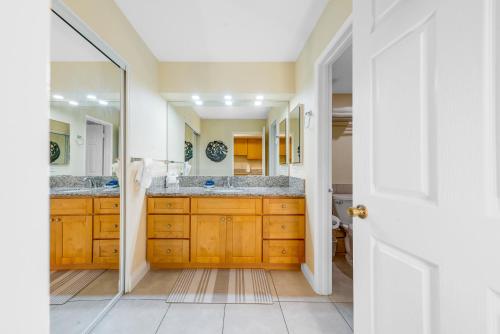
(335, 222)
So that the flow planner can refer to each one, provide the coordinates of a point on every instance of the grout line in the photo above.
(279, 303)
(162, 318)
(342, 315)
(284, 319)
(224, 318)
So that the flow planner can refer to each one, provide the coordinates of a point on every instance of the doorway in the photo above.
(98, 147)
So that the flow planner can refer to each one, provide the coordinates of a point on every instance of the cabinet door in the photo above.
(244, 239)
(240, 146)
(254, 149)
(73, 240)
(106, 251)
(208, 239)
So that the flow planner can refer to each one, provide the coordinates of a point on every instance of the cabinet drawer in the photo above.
(107, 205)
(168, 205)
(106, 251)
(106, 227)
(283, 227)
(230, 206)
(168, 251)
(283, 206)
(283, 251)
(168, 226)
(71, 206)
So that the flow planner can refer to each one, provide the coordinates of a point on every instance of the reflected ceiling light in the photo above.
(259, 97)
(228, 97)
(103, 103)
(195, 97)
(91, 97)
(228, 103)
(258, 103)
(73, 103)
(199, 103)
(58, 97)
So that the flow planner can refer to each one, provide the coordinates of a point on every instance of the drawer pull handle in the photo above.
(169, 225)
(115, 250)
(283, 227)
(115, 205)
(222, 219)
(169, 205)
(283, 206)
(283, 251)
(169, 251)
(116, 225)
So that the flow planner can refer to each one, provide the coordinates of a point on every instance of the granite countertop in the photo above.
(226, 192)
(84, 192)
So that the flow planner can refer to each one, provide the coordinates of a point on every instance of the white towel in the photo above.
(144, 175)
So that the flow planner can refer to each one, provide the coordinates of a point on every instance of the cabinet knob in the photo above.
(169, 251)
(169, 205)
(115, 250)
(222, 219)
(169, 225)
(116, 225)
(115, 205)
(283, 251)
(283, 227)
(283, 206)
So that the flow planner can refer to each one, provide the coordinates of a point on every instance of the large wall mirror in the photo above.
(86, 149)
(295, 134)
(282, 131)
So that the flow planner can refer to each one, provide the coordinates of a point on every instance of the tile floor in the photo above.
(296, 309)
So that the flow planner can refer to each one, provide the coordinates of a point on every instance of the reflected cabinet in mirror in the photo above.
(85, 151)
(295, 134)
(283, 143)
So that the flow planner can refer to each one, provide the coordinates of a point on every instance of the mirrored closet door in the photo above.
(85, 144)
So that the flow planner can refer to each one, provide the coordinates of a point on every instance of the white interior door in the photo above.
(94, 149)
(426, 165)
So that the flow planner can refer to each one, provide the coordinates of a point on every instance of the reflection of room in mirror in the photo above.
(295, 134)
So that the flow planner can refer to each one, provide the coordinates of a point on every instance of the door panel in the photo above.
(425, 157)
(94, 149)
(244, 239)
(73, 240)
(208, 239)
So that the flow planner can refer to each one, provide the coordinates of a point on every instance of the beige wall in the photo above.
(224, 129)
(342, 143)
(240, 77)
(146, 114)
(334, 15)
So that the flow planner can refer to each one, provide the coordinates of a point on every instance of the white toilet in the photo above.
(341, 202)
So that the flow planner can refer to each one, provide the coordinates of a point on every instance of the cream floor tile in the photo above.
(156, 284)
(271, 285)
(314, 318)
(133, 316)
(193, 318)
(103, 287)
(346, 309)
(293, 286)
(74, 317)
(341, 287)
(254, 319)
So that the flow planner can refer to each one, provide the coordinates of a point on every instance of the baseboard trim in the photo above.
(137, 276)
(308, 275)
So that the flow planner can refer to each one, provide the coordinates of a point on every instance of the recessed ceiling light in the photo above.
(58, 97)
(228, 97)
(195, 97)
(259, 97)
(258, 103)
(103, 103)
(73, 103)
(228, 103)
(198, 103)
(91, 97)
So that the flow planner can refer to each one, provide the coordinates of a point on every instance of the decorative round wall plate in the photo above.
(216, 150)
(55, 151)
(188, 151)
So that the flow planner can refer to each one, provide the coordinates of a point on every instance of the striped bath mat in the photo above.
(65, 284)
(214, 286)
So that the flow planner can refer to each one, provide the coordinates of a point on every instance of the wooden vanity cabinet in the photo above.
(225, 232)
(84, 233)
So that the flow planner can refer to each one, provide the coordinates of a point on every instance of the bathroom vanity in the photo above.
(242, 227)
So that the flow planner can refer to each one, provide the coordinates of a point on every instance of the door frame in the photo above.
(108, 144)
(66, 14)
(322, 278)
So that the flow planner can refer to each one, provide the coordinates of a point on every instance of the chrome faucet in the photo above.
(228, 182)
(90, 180)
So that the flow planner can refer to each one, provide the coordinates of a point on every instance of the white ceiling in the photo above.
(224, 30)
(342, 73)
(67, 45)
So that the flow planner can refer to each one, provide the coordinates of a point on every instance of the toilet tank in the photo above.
(341, 202)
